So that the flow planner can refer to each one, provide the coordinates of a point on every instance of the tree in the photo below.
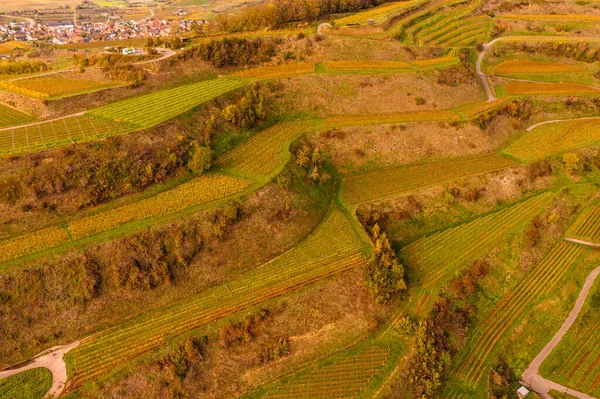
(571, 162)
(201, 160)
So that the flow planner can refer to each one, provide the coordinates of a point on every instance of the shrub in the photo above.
(201, 160)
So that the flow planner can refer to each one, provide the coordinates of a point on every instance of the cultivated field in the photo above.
(58, 132)
(31, 384)
(554, 138)
(265, 152)
(517, 89)
(437, 257)
(539, 282)
(52, 87)
(200, 190)
(10, 117)
(587, 225)
(152, 109)
(381, 184)
(332, 248)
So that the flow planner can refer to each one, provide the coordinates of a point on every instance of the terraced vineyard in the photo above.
(382, 119)
(514, 67)
(357, 66)
(200, 190)
(152, 109)
(472, 110)
(54, 87)
(11, 117)
(265, 152)
(437, 257)
(515, 89)
(58, 132)
(30, 384)
(471, 366)
(380, 184)
(553, 17)
(461, 32)
(587, 225)
(378, 14)
(278, 71)
(332, 248)
(343, 378)
(575, 362)
(555, 138)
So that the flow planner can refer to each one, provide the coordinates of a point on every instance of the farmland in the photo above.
(201, 190)
(141, 111)
(300, 200)
(587, 227)
(54, 87)
(540, 282)
(574, 362)
(264, 152)
(314, 259)
(58, 132)
(513, 89)
(10, 116)
(467, 242)
(554, 138)
(381, 184)
(31, 384)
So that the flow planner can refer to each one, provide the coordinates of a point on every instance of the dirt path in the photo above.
(320, 28)
(531, 377)
(164, 52)
(530, 128)
(51, 359)
(482, 75)
(44, 121)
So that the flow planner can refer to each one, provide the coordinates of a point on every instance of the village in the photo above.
(95, 31)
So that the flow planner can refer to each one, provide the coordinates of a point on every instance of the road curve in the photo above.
(320, 27)
(531, 377)
(51, 359)
(530, 128)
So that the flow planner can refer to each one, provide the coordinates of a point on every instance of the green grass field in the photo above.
(332, 248)
(30, 384)
(381, 184)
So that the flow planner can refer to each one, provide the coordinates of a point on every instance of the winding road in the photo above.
(531, 377)
(51, 359)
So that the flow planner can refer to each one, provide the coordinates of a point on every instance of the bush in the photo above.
(201, 160)
(419, 100)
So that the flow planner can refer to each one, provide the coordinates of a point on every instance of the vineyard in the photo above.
(575, 362)
(554, 138)
(377, 185)
(437, 257)
(30, 384)
(516, 89)
(344, 377)
(58, 132)
(553, 17)
(534, 67)
(461, 32)
(53, 87)
(278, 71)
(332, 248)
(539, 282)
(265, 152)
(152, 109)
(382, 119)
(378, 14)
(587, 225)
(200, 190)
(470, 111)
(11, 117)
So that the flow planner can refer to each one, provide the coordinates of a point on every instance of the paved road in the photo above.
(30, 20)
(531, 377)
(52, 359)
